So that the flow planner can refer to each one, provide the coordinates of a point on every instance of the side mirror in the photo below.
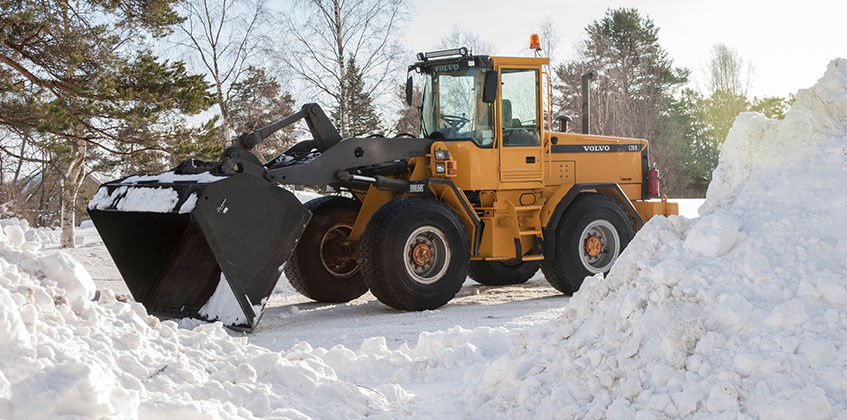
(563, 121)
(409, 91)
(489, 89)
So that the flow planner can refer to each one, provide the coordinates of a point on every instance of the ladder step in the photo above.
(527, 208)
(529, 232)
(532, 257)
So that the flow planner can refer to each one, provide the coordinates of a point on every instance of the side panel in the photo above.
(599, 159)
(521, 164)
(477, 168)
(560, 172)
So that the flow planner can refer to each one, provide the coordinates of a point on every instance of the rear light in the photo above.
(451, 170)
(652, 180)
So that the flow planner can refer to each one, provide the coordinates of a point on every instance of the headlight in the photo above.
(439, 168)
(442, 154)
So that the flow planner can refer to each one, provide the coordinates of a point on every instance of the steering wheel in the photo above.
(456, 122)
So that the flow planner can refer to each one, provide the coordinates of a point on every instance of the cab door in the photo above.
(519, 131)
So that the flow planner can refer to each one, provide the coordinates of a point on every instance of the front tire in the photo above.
(593, 232)
(414, 254)
(322, 267)
(501, 273)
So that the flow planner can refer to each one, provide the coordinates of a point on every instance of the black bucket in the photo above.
(199, 246)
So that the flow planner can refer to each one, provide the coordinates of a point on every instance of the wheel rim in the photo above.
(599, 246)
(426, 255)
(333, 258)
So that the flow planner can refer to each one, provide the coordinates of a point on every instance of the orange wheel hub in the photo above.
(594, 246)
(421, 254)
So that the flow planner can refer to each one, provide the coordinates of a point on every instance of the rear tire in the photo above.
(501, 273)
(414, 254)
(321, 267)
(593, 232)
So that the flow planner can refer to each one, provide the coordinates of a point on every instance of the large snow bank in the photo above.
(64, 355)
(739, 313)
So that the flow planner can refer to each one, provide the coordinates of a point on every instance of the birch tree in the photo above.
(222, 36)
(325, 34)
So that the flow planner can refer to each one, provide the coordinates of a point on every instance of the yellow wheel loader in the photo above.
(486, 189)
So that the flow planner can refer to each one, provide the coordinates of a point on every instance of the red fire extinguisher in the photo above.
(653, 183)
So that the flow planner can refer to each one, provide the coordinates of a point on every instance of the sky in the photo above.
(789, 43)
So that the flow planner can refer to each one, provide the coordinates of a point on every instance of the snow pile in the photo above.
(739, 313)
(44, 236)
(64, 355)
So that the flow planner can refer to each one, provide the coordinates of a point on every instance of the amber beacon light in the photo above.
(534, 42)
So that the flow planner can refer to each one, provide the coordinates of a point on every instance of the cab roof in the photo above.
(429, 60)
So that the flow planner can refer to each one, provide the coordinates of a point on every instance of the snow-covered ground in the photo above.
(290, 318)
(424, 352)
(740, 313)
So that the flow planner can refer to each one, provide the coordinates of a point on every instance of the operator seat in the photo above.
(513, 132)
(507, 113)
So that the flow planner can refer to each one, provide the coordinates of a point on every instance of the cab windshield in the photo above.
(452, 107)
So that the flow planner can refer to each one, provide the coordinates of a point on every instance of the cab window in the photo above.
(453, 108)
(519, 107)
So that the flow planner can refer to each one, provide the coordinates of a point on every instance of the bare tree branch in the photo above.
(325, 34)
(223, 36)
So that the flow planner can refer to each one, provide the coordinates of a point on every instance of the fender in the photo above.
(611, 189)
(456, 199)
(443, 189)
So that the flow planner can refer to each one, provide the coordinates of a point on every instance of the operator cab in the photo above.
(455, 103)
(459, 94)
(493, 102)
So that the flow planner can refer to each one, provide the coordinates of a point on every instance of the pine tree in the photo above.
(361, 117)
(634, 82)
(72, 73)
(259, 100)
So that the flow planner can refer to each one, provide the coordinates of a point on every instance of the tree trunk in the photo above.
(226, 129)
(342, 76)
(70, 190)
(21, 160)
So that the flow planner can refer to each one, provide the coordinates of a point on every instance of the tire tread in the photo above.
(559, 269)
(381, 227)
(297, 265)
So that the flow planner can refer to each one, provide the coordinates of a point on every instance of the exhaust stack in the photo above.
(586, 102)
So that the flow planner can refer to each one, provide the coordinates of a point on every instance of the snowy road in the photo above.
(290, 318)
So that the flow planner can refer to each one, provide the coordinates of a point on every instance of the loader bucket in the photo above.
(201, 246)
